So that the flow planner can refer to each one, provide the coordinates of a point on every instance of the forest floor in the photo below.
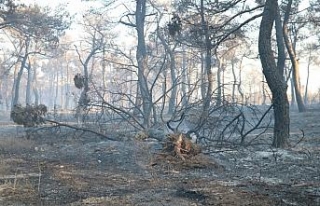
(64, 167)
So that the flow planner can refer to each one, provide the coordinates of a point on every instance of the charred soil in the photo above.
(59, 166)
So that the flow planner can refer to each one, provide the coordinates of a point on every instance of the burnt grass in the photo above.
(60, 166)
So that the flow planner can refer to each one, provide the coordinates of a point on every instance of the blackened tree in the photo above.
(274, 78)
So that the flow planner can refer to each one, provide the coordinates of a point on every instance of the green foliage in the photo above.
(36, 23)
(314, 11)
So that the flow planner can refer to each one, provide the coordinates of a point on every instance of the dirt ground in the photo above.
(59, 166)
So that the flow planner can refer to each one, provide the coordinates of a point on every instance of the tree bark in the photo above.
(280, 44)
(273, 76)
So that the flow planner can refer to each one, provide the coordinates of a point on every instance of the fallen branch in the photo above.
(301, 139)
(19, 176)
(83, 129)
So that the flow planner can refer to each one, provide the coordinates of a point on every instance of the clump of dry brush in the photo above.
(28, 116)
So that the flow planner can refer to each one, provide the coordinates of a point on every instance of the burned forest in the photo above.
(159, 102)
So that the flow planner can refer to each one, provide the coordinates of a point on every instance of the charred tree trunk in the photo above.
(141, 57)
(273, 76)
(208, 48)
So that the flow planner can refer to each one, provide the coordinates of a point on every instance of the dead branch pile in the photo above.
(78, 80)
(181, 146)
(28, 116)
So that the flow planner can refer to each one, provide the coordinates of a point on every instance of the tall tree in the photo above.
(144, 95)
(273, 76)
(208, 50)
(39, 32)
(293, 59)
(92, 47)
(141, 55)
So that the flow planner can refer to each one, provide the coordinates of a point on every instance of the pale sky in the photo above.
(79, 6)
(73, 6)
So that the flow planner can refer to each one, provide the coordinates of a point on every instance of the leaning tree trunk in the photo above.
(307, 82)
(294, 60)
(84, 99)
(273, 76)
(18, 81)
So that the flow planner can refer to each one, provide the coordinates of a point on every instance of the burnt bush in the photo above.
(28, 116)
